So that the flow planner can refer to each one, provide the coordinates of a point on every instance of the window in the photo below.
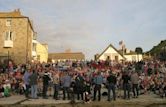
(34, 47)
(6, 36)
(8, 39)
(8, 22)
(9, 36)
(116, 58)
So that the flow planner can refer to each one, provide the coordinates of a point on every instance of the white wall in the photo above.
(111, 53)
(134, 57)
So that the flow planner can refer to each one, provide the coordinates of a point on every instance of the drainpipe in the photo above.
(26, 56)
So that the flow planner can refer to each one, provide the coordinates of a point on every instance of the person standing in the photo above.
(134, 81)
(98, 81)
(33, 82)
(26, 81)
(46, 80)
(126, 85)
(56, 83)
(79, 82)
(111, 80)
(66, 82)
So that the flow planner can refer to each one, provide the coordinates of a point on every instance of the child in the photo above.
(1, 91)
(7, 91)
(87, 93)
(7, 88)
(87, 97)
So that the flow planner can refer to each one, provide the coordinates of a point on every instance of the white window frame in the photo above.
(9, 36)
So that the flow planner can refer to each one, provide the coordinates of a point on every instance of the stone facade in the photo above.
(22, 36)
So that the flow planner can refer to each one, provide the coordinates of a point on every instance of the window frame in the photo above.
(8, 22)
(9, 36)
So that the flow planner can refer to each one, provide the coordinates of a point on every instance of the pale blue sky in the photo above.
(89, 26)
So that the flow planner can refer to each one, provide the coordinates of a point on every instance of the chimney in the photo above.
(17, 11)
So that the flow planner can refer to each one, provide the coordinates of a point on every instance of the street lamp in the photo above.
(8, 55)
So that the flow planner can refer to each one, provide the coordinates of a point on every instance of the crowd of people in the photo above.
(84, 80)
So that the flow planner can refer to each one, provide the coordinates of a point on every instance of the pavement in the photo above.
(42, 101)
(143, 100)
(15, 99)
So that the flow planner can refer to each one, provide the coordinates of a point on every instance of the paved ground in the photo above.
(143, 100)
(12, 99)
(41, 101)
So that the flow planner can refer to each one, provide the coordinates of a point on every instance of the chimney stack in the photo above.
(17, 11)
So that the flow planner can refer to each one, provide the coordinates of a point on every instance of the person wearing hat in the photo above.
(111, 80)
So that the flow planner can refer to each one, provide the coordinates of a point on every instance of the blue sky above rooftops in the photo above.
(89, 26)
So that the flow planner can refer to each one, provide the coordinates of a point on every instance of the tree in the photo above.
(138, 50)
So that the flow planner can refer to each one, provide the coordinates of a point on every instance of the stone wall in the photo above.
(21, 30)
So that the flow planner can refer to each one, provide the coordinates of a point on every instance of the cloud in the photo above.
(90, 25)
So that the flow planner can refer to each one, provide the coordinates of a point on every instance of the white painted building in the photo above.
(133, 57)
(111, 53)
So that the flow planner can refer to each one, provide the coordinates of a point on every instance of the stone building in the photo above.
(17, 37)
(74, 56)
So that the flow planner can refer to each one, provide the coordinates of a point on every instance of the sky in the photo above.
(89, 26)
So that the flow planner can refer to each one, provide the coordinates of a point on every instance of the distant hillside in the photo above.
(156, 50)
